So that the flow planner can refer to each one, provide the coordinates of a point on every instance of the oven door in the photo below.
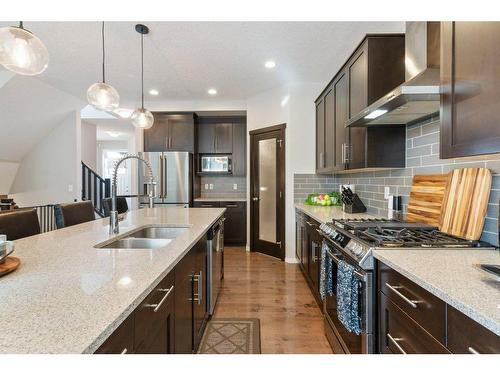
(351, 343)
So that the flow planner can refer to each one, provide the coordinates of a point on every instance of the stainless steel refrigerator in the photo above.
(172, 172)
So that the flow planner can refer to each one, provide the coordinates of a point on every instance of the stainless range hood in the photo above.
(417, 98)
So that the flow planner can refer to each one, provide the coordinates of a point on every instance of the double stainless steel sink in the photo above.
(151, 237)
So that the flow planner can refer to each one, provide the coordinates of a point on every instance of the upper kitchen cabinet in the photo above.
(375, 67)
(470, 82)
(240, 148)
(215, 137)
(171, 132)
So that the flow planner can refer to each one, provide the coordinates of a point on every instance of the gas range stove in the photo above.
(358, 238)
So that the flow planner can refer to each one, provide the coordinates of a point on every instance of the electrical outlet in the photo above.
(387, 192)
(211, 186)
(206, 186)
(235, 186)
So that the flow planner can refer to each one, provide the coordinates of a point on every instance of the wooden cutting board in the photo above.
(426, 199)
(10, 264)
(465, 202)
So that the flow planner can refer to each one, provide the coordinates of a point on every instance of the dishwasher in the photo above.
(215, 249)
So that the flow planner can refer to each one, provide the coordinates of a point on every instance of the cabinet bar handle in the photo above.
(232, 205)
(199, 281)
(157, 306)
(396, 344)
(472, 350)
(124, 351)
(410, 302)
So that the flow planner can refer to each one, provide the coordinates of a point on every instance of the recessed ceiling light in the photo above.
(212, 91)
(153, 92)
(270, 64)
(124, 112)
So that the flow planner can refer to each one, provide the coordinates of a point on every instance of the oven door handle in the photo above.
(359, 275)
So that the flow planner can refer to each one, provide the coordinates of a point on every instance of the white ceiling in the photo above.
(122, 129)
(184, 59)
(29, 110)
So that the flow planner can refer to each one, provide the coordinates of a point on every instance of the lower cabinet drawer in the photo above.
(206, 204)
(400, 334)
(423, 307)
(152, 313)
(467, 336)
(121, 340)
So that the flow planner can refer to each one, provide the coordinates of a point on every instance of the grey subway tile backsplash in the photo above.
(223, 187)
(422, 158)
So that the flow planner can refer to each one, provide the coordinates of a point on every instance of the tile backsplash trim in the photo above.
(422, 157)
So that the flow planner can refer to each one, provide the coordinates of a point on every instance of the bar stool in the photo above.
(19, 224)
(121, 205)
(69, 214)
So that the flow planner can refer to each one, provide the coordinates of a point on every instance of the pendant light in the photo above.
(100, 95)
(142, 118)
(22, 52)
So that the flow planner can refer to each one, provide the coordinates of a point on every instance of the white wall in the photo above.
(8, 170)
(89, 144)
(52, 167)
(293, 105)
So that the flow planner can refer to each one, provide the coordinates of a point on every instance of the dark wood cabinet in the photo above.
(121, 341)
(375, 67)
(400, 334)
(215, 137)
(308, 242)
(341, 115)
(154, 320)
(239, 149)
(235, 225)
(171, 132)
(423, 307)
(184, 274)
(320, 135)
(206, 138)
(466, 336)
(413, 320)
(470, 83)
(200, 292)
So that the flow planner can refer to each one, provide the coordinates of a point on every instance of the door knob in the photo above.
(255, 199)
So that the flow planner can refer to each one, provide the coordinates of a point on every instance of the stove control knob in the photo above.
(358, 250)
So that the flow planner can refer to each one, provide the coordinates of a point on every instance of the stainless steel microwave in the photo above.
(215, 164)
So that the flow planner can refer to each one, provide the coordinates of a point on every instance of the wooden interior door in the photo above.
(267, 180)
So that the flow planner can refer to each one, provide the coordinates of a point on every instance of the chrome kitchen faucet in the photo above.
(113, 217)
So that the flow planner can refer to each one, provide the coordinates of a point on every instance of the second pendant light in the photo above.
(142, 118)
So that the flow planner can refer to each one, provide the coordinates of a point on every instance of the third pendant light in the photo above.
(142, 118)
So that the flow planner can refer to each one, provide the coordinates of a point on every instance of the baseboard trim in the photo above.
(291, 260)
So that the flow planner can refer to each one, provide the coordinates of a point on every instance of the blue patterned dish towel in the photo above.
(326, 274)
(347, 298)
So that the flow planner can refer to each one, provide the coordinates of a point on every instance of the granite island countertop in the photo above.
(454, 277)
(68, 296)
(325, 214)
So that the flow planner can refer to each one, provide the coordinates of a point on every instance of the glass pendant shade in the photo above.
(22, 52)
(142, 118)
(103, 97)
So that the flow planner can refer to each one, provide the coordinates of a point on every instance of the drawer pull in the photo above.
(207, 205)
(412, 303)
(157, 306)
(396, 344)
(472, 350)
(232, 205)
(124, 351)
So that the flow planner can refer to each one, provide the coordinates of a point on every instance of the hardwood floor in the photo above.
(259, 286)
